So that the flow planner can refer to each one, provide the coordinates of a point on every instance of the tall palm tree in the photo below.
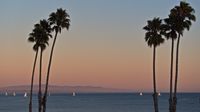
(59, 20)
(45, 33)
(35, 48)
(184, 15)
(169, 31)
(153, 37)
(40, 36)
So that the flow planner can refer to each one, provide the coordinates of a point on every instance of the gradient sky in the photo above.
(104, 47)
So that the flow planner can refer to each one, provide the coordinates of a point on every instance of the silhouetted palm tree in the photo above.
(169, 30)
(59, 20)
(40, 36)
(184, 15)
(153, 37)
(45, 34)
(35, 48)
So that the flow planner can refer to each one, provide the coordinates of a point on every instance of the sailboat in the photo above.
(73, 94)
(159, 94)
(14, 94)
(141, 94)
(6, 94)
(25, 94)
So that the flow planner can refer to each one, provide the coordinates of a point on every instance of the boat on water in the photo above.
(141, 94)
(25, 94)
(73, 94)
(14, 94)
(159, 94)
(6, 94)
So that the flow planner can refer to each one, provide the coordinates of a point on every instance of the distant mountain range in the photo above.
(62, 89)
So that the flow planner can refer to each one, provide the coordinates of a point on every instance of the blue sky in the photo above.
(105, 35)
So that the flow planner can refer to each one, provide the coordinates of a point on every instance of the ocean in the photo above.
(102, 102)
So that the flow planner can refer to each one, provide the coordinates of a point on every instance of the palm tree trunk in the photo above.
(155, 95)
(40, 80)
(48, 73)
(171, 77)
(176, 75)
(32, 79)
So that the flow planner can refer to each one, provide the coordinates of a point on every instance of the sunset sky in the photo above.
(104, 46)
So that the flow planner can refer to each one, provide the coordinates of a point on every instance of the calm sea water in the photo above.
(118, 102)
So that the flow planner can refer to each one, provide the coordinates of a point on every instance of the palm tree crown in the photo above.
(40, 35)
(46, 27)
(182, 16)
(169, 28)
(59, 19)
(153, 35)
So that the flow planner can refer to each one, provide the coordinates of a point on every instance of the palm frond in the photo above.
(59, 19)
(31, 39)
(40, 34)
(154, 28)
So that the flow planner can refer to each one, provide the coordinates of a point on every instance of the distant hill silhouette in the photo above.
(62, 89)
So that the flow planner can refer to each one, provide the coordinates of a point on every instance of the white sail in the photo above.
(141, 94)
(6, 94)
(25, 94)
(14, 94)
(73, 94)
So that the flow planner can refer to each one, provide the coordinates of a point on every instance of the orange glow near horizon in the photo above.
(101, 48)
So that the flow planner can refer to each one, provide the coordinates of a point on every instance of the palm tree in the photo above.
(35, 48)
(59, 20)
(153, 37)
(45, 33)
(169, 31)
(40, 36)
(184, 15)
